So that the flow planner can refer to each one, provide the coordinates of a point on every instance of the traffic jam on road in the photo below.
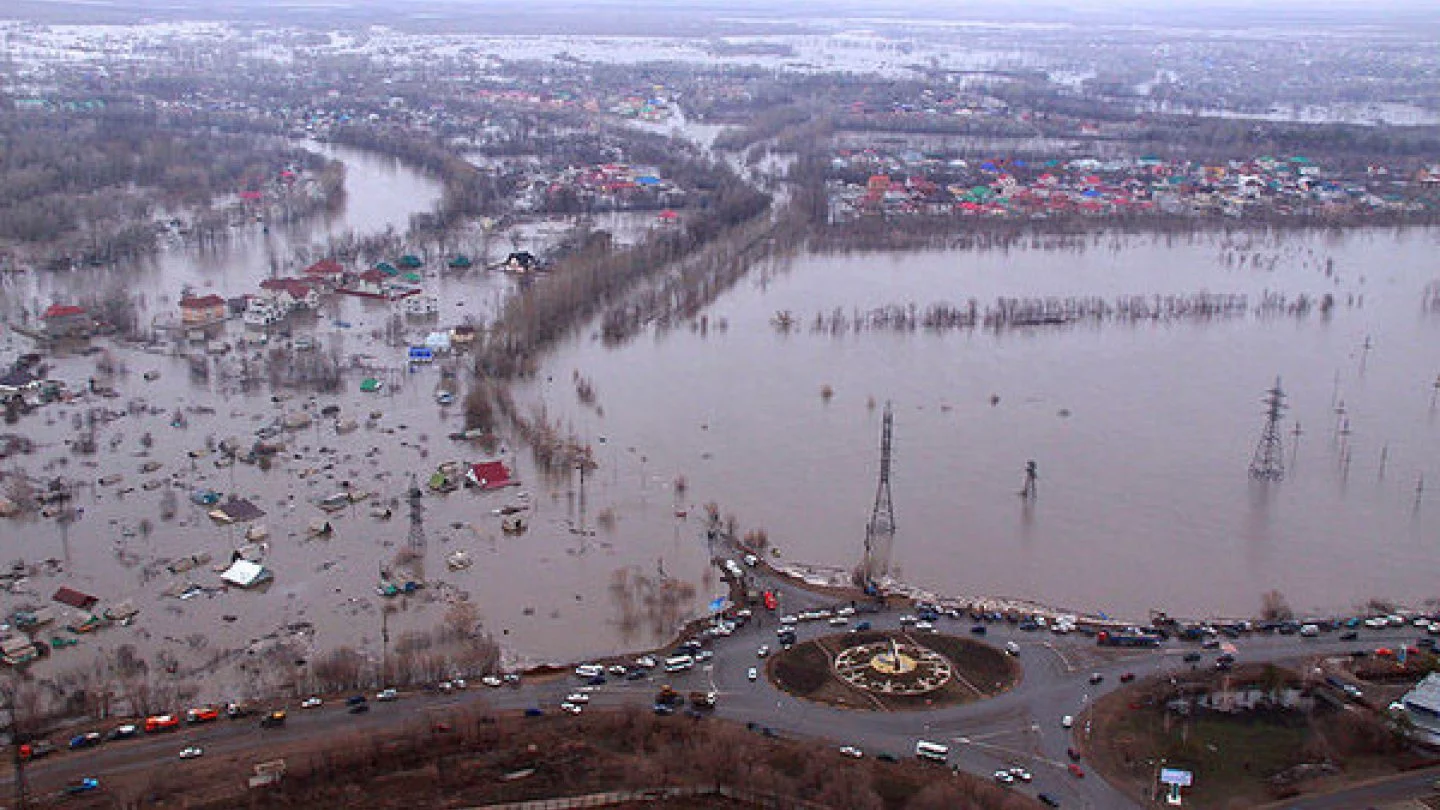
(729, 651)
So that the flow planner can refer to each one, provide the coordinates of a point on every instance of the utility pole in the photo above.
(1032, 476)
(1268, 463)
(880, 531)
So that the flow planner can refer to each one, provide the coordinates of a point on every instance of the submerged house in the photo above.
(65, 320)
(246, 574)
(489, 475)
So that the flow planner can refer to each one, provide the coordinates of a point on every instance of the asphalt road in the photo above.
(1021, 727)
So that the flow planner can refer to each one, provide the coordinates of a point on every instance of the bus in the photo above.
(935, 752)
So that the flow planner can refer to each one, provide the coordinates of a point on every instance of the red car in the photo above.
(771, 602)
(1127, 677)
(1077, 771)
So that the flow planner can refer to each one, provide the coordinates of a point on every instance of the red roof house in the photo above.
(490, 475)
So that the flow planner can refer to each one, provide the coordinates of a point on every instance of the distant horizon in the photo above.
(725, 17)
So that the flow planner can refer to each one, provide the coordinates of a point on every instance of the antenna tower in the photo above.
(1268, 464)
(880, 531)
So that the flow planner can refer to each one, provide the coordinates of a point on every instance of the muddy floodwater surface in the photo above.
(1142, 431)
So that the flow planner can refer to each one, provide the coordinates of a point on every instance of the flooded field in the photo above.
(1142, 431)
(157, 443)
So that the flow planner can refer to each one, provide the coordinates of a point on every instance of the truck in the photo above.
(1106, 638)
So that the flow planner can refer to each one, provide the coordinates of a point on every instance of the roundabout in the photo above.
(887, 671)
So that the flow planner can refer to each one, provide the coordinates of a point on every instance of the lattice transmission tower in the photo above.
(1268, 463)
(880, 531)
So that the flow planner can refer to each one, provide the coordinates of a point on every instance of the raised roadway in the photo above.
(1021, 727)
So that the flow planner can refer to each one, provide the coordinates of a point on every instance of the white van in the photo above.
(679, 663)
(935, 752)
(589, 670)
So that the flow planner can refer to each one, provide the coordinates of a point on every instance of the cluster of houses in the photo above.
(873, 183)
(32, 634)
(600, 187)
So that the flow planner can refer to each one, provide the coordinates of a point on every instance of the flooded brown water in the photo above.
(1142, 432)
(1144, 499)
(551, 593)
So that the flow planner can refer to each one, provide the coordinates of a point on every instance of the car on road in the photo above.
(161, 722)
(851, 751)
(204, 714)
(636, 675)
(924, 627)
(1096, 678)
(1191, 657)
(861, 627)
(492, 681)
(192, 752)
(598, 680)
(884, 757)
(577, 697)
(85, 785)
(1072, 754)
(87, 740)
(571, 708)
(35, 749)
(310, 702)
(1021, 774)
(1127, 677)
(789, 620)
(359, 708)
(752, 673)
(387, 695)
(354, 700)
(273, 719)
(1048, 800)
(979, 629)
(125, 732)
(1067, 721)
(1003, 777)
(663, 709)
(839, 621)
(1349, 635)
(763, 651)
(617, 670)
(645, 661)
(1076, 771)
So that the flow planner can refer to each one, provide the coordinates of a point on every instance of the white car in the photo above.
(491, 681)
(616, 670)
(839, 621)
(1067, 721)
(458, 683)
(790, 620)
(310, 702)
(1004, 778)
(387, 695)
(752, 673)
(572, 708)
(851, 751)
(763, 651)
(845, 611)
(577, 698)
(645, 661)
(193, 752)
(1021, 774)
